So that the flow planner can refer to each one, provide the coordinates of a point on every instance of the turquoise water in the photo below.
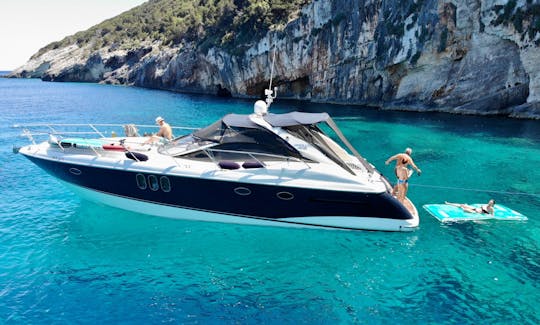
(63, 260)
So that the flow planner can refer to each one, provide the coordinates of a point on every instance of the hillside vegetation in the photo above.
(223, 23)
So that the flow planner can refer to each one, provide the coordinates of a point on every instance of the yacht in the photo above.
(293, 170)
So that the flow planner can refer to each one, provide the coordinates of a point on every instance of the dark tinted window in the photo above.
(165, 184)
(141, 181)
(153, 182)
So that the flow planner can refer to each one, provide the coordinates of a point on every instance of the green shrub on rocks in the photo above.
(225, 23)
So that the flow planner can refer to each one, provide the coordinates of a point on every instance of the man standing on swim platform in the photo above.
(403, 160)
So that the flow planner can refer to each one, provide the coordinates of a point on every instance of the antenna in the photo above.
(268, 92)
(272, 69)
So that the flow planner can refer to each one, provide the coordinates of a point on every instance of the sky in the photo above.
(28, 25)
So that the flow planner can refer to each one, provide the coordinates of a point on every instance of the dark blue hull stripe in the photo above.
(259, 201)
(245, 216)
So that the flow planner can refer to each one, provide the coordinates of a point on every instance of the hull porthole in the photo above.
(141, 181)
(285, 196)
(75, 171)
(243, 191)
(153, 183)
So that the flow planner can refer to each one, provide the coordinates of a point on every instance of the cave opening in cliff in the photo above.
(223, 92)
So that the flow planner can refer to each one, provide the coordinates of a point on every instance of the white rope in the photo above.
(475, 190)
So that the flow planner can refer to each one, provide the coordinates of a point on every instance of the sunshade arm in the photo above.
(342, 137)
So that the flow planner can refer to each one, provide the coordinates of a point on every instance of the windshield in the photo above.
(184, 145)
(313, 135)
(239, 139)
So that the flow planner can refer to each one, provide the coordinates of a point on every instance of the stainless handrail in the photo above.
(52, 128)
(95, 124)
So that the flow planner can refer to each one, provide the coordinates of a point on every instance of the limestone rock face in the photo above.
(461, 56)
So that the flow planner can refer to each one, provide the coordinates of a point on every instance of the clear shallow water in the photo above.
(63, 260)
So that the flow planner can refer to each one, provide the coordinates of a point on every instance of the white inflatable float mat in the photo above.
(448, 213)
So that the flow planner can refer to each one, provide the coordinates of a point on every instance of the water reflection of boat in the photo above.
(262, 169)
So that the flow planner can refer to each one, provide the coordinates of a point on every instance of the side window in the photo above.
(141, 181)
(165, 184)
(153, 182)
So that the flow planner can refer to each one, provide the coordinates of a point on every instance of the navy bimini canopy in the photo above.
(237, 132)
(288, 119)
(295, 118)
(216, 131)
(244, 133)
(239, 120)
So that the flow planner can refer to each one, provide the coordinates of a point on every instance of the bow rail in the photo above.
(88, 130)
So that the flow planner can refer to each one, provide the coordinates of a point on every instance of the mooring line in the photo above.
(475, 190)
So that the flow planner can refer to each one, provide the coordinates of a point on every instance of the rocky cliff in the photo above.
(460, 56)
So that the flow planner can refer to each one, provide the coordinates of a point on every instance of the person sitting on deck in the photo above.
(164, 134)
(487, 209)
